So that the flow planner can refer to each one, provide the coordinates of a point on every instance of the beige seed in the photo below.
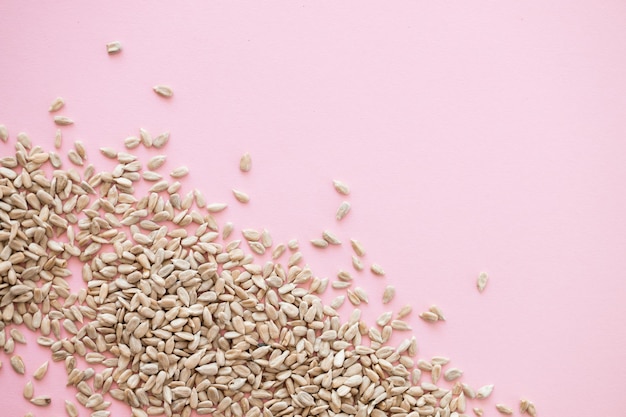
(163, 91)
(245, 163)
(109, 152)
(384, 318)
(152, 176)
(452, 374)
(29, 391)
(337, 301)
(58, 139)
(429, 316)
(146, 138)
(319, 243)
(343, 210)
(405, 310)
(56, 105)
(356, 263)
(241, 196)
(80, 149)
(41, 401)
(18, 364)
(4, 133)
(388, 293)
(179, 172)
(293, 244)
(330, 237)
(478, 411)
(503, 409)
(70, 409)
(357, 247)
(377, 270)
(400, 325)
(341, 187)
(360, 292)
(481, 282)
(63, 121)
(75, 158)
(484, 391)
(132, 142)
(41, 371)
(18, 336)
(114, 47)
(24, 140)
(278, 250)
(532, 411)
(216, 207)
(161, 140)
(156, 162)
(338, 285)
(523, 406)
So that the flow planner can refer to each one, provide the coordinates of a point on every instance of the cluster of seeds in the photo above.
(178, 317)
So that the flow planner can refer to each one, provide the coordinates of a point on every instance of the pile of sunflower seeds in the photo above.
(175, 318)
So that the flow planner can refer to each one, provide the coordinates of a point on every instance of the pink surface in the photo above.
(474, 135)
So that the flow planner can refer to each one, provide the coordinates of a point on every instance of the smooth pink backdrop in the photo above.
(474, 135)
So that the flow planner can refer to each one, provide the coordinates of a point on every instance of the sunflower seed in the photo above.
(377, 270)
(360, 292)
(75, 158)
(400, 325)
(109, 152)
(356, 263)
(532, 411)
(341, 187)
(41, 401)
(161, 140)
(503, 409)
(29, 391)
(179, 172)
(24, 140)
(18, 336)
(405, 310)
(114, 47)
(245, 163)
(216, 207)
(4, 133)
(429, 316)
(18, 364)
(481, 282)
(343, 210)
(63, 121)
(41, 371)
(478, 411)
(156, 162)
(388, 293)
(484, 391)
(384, 318)
(293, 244)
(70, 409)
(337, 301)
(452, 374)
(132, 142)
(319, 243)
(241, 196)
(57, 104)
(163, 91)
(330, 238)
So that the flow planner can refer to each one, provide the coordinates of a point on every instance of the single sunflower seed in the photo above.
(163, 91)
(245, 163)
(63, 120)
(504, 409)
(4, 133)
(241, 196)
(179, 172)
(388, 293)
(481, 282)
(41, 401)
(41, 371)
(18, 364)
(114, 47)
(343, 210)
(28, 391)
(377, 269)
(56, 105)
(341, 187)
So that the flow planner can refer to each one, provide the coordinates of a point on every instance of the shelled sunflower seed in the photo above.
(176, 320)
(63, 120)
(163, 91)
(56, 105)
(245, 163)
(341, 187)
(343, 210)
(241, 196)
(114, 47)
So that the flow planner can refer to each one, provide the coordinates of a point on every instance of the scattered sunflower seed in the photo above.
(245, 163)
(429, 316)
(179, 172)
(481, 282)
(377, 269)
(331, 238)
(343, 210)
(161, 140)
(63, 121)
(452, 374)
(341, 187)
(41, 401)
(41, 371)
(56, 105)
(29, 391)
(114, 47)
(241, 196)
(405, 310)
(216, 207)
(319, 243)
(484, 391)
(435, 309)
(132, 142)
(357, 247)
(503, 409)
(163, 91)
(18, 364)
(388, 293)
(4, 133)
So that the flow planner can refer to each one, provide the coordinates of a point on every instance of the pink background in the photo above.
(475, 136)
